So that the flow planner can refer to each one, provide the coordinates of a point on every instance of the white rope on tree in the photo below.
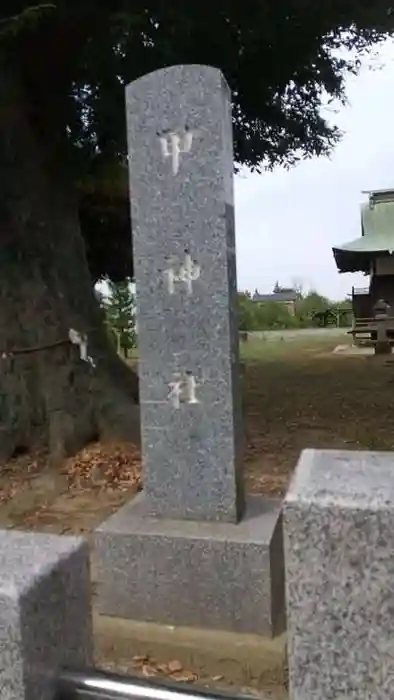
(81, 339)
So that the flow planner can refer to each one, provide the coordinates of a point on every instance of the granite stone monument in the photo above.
(190, 546)
(45, 612)
(181, 160)
(339, 543)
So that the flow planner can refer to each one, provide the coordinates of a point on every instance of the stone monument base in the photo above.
(200, 574)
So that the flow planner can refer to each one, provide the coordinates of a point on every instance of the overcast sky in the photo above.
(288, 221)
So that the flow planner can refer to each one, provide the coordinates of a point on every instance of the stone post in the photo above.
(45, 612)
(339, 543)
(181, 179)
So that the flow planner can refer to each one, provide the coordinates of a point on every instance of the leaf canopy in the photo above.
(281, 60)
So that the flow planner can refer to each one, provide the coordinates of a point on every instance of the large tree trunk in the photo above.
(48, 394)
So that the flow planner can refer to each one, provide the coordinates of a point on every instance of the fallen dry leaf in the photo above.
(163, 668)
(140, 659)
(148, 671)
(106, 466)
(184, 676)
(174, 666)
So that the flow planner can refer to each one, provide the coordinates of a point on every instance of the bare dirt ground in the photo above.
(73, 500)
(296, 395)
(301, 395)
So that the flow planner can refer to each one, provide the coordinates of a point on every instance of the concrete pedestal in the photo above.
(200, 574)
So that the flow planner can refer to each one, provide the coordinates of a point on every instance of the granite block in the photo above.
(45, 612)
(212, 575)
(181, 181)
(339, 542)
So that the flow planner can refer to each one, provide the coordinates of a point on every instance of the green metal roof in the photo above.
(377, 240)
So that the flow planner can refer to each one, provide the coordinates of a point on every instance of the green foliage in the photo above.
(311, 310)
(254, 315)
(311, 304)
(272, 315)
(246, 312)
(27, 19)
(74, 57)
(119, 308)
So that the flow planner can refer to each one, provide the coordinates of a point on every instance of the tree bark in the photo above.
(48, 394)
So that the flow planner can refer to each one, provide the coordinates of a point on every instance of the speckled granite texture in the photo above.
(45, 611)
(182, 205)
(339, 556)
(220, 576)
